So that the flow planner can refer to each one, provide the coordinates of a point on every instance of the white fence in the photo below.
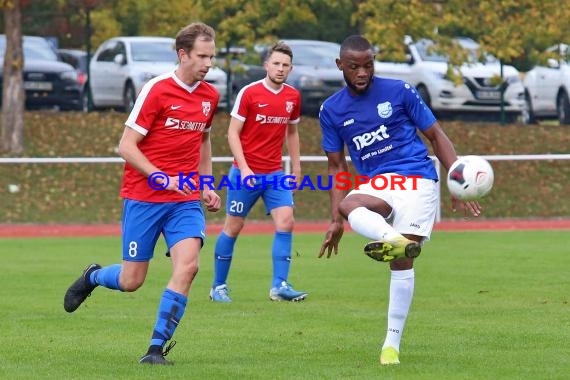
(286, 162)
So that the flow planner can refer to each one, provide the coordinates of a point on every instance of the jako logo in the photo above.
(368, 138)
(348, 122)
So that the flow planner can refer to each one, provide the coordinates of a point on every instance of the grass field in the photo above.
(488, 305)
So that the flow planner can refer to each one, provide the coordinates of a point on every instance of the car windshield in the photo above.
(315, 55)
(426, 50)
(153, 51)
(561, 52)
(33, 49)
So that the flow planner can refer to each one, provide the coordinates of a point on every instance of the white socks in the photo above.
(371, 225)
(401, 294)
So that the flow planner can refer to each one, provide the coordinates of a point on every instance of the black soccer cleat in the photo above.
(80, 289)
(155, 355)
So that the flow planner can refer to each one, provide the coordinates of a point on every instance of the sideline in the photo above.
(252, 227)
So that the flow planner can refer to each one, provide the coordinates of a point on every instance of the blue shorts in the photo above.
(143, 222)
(269, 187)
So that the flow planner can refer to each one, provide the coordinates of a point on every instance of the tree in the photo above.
(13, 97)
(508, 29)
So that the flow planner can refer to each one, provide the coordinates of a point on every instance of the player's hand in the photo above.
(174, 185)
(332, 239)
(249, 174)
(472, 207)
(212, 200)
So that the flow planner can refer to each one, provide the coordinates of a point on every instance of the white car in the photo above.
(479, 93)
(122, 65)
(547, 89)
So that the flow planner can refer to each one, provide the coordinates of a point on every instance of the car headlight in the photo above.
(69, 76)
(309, 81)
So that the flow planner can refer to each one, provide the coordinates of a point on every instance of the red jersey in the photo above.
(266, 114)
(172, 116)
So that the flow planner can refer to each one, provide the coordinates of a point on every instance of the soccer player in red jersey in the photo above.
(266, 114)
(165, 143)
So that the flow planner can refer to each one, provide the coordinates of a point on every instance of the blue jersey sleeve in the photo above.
(417, 109)
(331, 141)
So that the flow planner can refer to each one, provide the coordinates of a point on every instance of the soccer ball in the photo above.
(470, 178)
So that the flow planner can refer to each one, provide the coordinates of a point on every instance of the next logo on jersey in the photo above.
(368, 138)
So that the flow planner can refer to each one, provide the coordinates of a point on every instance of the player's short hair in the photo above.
(279, 47)
(355, 42)
(188, 35)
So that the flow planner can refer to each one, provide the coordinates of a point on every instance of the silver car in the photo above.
(122, 65)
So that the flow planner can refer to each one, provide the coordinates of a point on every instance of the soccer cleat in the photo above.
(155, 355)
(389, 356)
(221, 294)
(80, 289)
(391, 250)
(286, 293)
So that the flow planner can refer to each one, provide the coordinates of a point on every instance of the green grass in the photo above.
(488, 305)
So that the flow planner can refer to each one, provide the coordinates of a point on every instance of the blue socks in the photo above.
(281, 254)
(170, 312)
(223, 253)
(107, 277)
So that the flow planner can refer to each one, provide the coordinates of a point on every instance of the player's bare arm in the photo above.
(336, 164)
(294, 149)
(445, 153)
(130, 152)
(211, 200)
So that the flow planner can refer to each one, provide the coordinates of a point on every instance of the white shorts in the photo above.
(413, 208)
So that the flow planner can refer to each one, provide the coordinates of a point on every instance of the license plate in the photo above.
(494, 95)
(38, 86)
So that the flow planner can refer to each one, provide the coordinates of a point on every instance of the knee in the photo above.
(233, 228)
(130, 284)
(285, 224)
(189, 271)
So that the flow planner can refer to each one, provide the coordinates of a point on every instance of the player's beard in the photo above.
(275, 80)
(355, 89)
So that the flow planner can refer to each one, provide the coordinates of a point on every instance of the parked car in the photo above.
(547, 88)
(122, 65)
(78, 59)
(48, 82)
(479, 93)
(314, 72)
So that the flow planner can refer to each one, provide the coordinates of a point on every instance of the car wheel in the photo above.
(527, 114)
(424, 93)
(129, 97)
(563, 108)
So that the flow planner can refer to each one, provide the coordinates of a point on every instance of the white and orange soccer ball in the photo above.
(470, 178)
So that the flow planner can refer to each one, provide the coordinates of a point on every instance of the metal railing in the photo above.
(286, 162)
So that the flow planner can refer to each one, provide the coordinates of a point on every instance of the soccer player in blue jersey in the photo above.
(377, 119)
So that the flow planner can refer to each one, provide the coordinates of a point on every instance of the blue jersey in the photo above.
(379, 128)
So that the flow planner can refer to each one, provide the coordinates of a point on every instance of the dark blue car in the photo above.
(48, 82)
